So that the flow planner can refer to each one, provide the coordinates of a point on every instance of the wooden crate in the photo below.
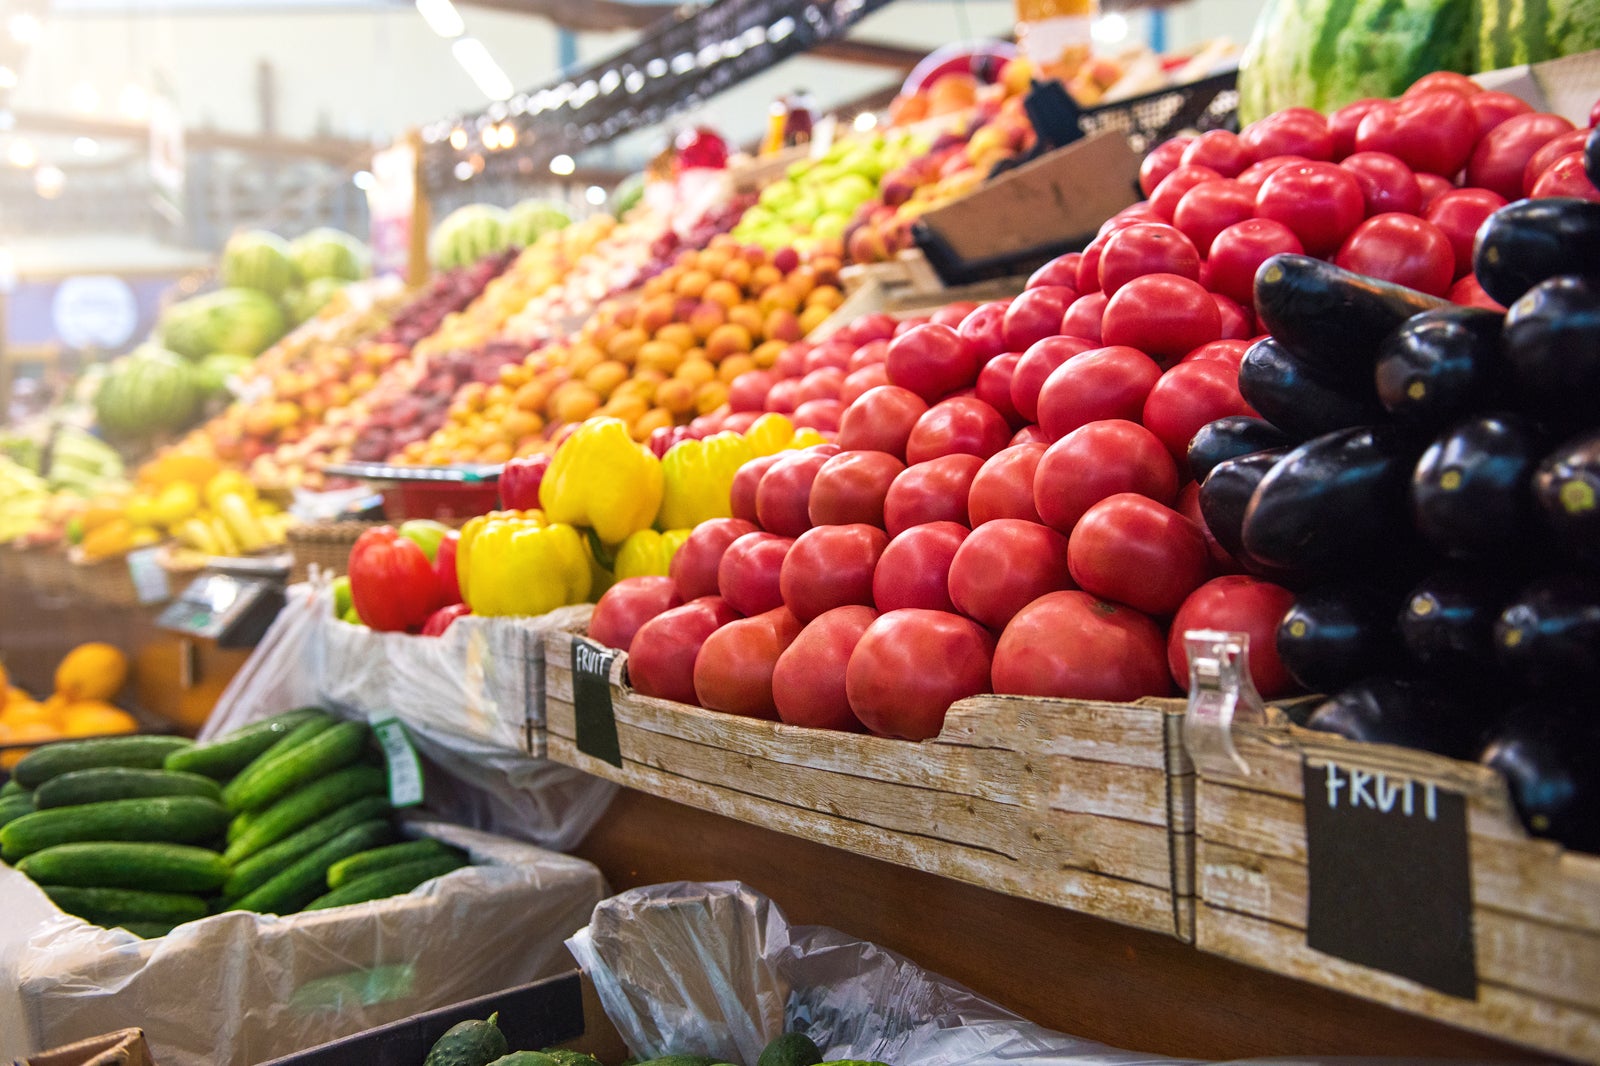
(1535, 906)
(1081, 805)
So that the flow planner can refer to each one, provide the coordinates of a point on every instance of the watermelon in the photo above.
(1325, 53)
(228, 320)
(212, 372)
(1513, 32)
(146, 392)
(256, 259)
(626, 196)
(532, 219)
(328, 253)
(304, 303)
(467, 234)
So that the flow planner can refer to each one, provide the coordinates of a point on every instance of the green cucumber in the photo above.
(299, 884)
(128, 864)
(280, 770)
(12, 787)
(381, 884)
(15, 806)
(383, 858)
(104, 783)
(240, 823)
(469, 1043)
(165, 819)
(301, 808)
(568, 1057)
(221, 759)
(526, 1058)
(113, 906)
(53, 760)
(147, 930)
(259, 868)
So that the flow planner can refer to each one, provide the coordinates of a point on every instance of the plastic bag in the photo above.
(239, 988)
(715, 969)
(276, 676)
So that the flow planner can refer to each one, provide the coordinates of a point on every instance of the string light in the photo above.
(458, 138)
(21, 154)
(562, 165)
(595, 195)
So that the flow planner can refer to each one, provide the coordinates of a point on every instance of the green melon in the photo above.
(228, 320)
(1512, 32)
(467, 234)
(532, 219)
(329, 253)
(146, 392)
(256, 259)
(304, 303)
(212, 372)
(627, 195)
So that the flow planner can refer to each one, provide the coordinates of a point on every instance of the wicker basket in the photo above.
(48, 576)
(106, 583)
(325, 545)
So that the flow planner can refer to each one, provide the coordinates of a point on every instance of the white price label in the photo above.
(405, 769)
(149, 577)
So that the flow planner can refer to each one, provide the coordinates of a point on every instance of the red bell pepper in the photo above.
(440, 620)
(520, 480)
(444, 567)
(392, 583)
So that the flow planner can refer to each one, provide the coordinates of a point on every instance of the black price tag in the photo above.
(596, 720)
(1390, 884)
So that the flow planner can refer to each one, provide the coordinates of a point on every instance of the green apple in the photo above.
(830, 224)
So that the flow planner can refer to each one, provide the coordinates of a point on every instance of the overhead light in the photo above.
(491, 137)
(8, 78)
(442, 17)
(24, 27)
(1109, 29)
(481, 67)
(133, 101)
(595, 195)
(781, 29)
(87, 147)
(463, 170)
(508, 135)
(865, 121)
(84, 97)
(48, 181)
(562, 165)
(363, 180)
(22, 154)
(458, 138)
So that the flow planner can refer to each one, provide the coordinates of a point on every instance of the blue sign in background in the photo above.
(29, 322)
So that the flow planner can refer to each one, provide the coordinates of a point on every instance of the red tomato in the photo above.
(749, 390)
(914, 570)
(984, 329)
(1236, 604)
(780, 398)
(911, 665)
(880, 420)
(1164, 201)
(733, 669)
(1257, 173)
(1431, 131)
(694, 564)
(1469, 293)
(835, 352)
(662, 655)
(1131, 549)
(1458, 214)
(1161, 160)
(876, 326)
(808, 681)
(1189, 396)
(906, 325)
(1403, 249)
(747, 576)
(994, 386)
(1071, 645)
(1432, 186)
(1320, 202)
(1083, 317)
(629, 604)
(783, 497)
(935, 491)
(1229, 351)
(392, 581)
(1098, 461)
(1099, 384)
(871, 353)
(1220, 150)
(1062, 270)
(1551, 151)
(1292, 131)
(1146, 248)
(1387, 184)
(1089, 265)
(1238, 253)
(1343, 123)
(791, 361)
(1237, 323)
(1029, 434)
(1205, 211)
(1490, 109)
(851, 487)
(1128, 216)
(857, 382)
(1003, 566)
(1004, 485)
(1566, 177)
(932, 361)
(1162, 314)
(959, 424)
(745, 484)
(1035, 315)
(1501, 157)
(818, 414)
(1188, 505)
(1447, 80)
(830, 566)
(951, 314)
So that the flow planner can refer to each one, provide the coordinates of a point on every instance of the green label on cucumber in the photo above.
(405, 769)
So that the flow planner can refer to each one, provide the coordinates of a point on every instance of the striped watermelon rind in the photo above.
(329, 253)
(1513, 32)
(146, 392)
(532, 219)
(466, 235)
(256, 259)
(228, 320)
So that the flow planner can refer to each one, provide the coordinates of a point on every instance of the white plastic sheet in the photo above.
(715, 969)
(240, 988)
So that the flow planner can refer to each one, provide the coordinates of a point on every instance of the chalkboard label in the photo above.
(596, 719)
(1390, 884)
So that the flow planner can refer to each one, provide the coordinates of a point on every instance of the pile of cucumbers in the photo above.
(481, 1043)
(148, 832)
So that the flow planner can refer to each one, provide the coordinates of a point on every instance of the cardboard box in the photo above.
(124, 1048)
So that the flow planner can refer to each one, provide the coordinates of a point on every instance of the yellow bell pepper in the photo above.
(769, 434)
(142, 509)
(648, 553)
(601, 478)
(178, 501)
(511, 564)
(699, 479)
(805, 437)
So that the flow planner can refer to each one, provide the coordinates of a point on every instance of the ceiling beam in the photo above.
(335, 150)
(869, 53)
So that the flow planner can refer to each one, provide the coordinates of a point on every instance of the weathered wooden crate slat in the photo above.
(1536, 907)
(1012, 795)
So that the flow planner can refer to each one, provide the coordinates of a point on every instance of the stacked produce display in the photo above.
(86, 680)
